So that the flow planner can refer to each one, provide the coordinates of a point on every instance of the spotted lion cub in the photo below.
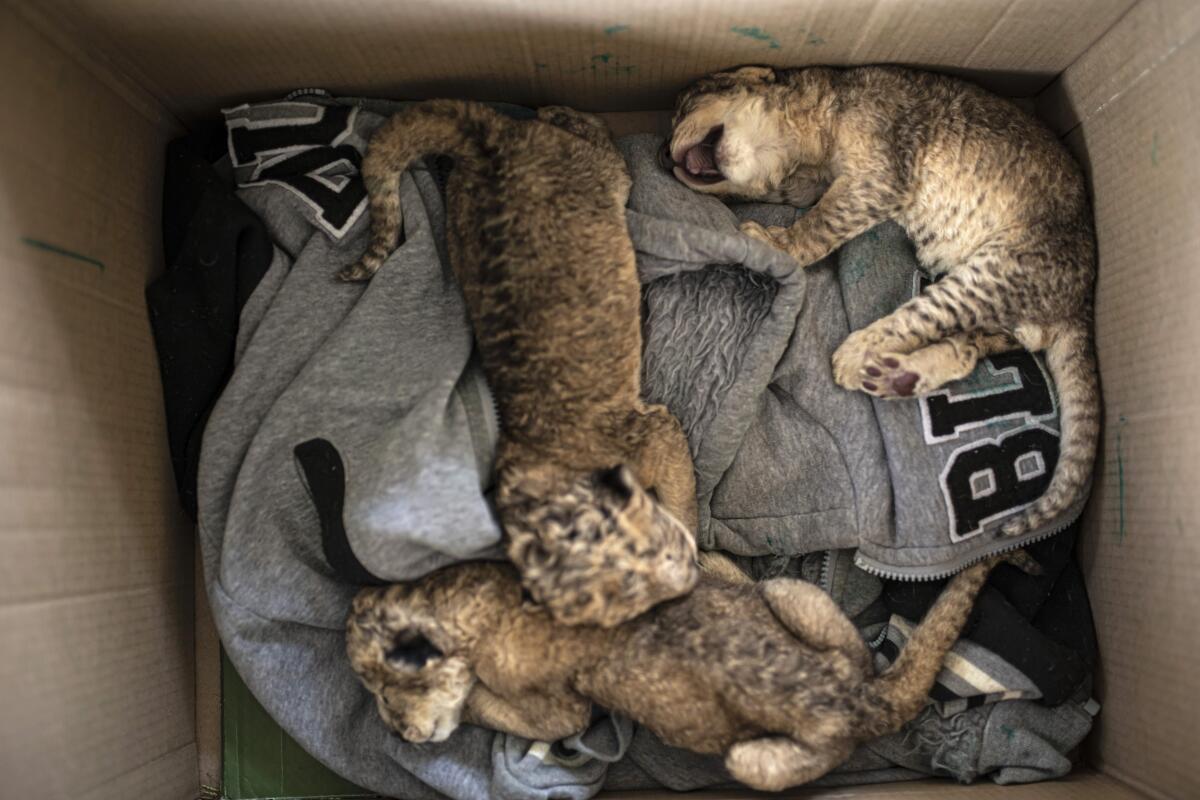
(773, 676)
(595, 489)
(993, 202)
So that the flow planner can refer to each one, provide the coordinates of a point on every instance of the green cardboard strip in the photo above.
(260, 761)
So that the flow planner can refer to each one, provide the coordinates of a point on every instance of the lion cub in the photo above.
(774, 676)
(992, 201)
(595, 489)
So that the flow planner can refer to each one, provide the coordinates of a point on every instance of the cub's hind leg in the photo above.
(947, 308)
(815, 619)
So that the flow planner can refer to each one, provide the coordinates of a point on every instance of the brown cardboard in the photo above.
(613, 55)
(1137, 100)
(96, 681)
(108, 675)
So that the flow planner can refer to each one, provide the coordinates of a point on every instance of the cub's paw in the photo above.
(891, 375)
(774, 235)
(358, 272)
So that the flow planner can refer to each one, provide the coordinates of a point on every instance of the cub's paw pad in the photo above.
(887, 376)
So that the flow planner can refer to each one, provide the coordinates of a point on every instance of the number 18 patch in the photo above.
(991, 477)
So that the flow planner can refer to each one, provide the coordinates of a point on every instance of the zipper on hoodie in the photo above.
(937, 573)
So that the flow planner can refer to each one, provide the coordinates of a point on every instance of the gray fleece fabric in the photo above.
(738, 341)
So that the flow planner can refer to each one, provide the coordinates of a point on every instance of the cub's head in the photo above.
(754, 133)
(410, 661)
(599, 552)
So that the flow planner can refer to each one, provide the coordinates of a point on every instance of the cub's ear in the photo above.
(411, 649)
(755, 74)
(618, 480)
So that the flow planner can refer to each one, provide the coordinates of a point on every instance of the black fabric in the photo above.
(1042, 624)
(216, 252)
(1066, 616)
(325, 476)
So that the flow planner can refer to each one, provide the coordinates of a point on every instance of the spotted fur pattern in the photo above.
(774, 676)
(991, 199)
(595, 489)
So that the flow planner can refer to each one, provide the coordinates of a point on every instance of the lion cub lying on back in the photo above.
(774, 676)
(595, 489)
(990, 198)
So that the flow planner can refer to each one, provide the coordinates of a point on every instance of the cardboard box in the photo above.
(109, 673)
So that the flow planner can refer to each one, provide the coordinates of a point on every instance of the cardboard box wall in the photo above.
(102, 693)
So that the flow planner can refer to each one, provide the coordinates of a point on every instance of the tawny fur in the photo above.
(774, 676)
(990, 198)
(595, 489)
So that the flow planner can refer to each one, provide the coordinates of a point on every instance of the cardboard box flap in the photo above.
(1137, 102)
(614, 55)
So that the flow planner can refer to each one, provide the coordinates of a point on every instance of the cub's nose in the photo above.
(664, 156)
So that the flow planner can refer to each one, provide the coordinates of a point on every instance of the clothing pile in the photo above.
(329, 435)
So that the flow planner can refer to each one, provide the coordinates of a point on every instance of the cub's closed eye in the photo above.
(412, 650)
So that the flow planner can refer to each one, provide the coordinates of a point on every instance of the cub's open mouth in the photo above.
(698, 163)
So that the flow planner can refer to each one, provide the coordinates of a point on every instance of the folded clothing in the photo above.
(353, 440)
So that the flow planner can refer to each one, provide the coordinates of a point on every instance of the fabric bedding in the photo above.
(353, 435)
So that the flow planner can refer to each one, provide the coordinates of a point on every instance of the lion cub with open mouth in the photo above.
(992, 201)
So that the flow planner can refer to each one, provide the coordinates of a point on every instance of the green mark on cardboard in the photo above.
(1120, 480)
(758, 35)
(540, 65)
(602, 57)
(613, 30)
(62, 251)
(1154, 150)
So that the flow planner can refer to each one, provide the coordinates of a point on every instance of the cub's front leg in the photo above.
(545, 717)
(848, 208)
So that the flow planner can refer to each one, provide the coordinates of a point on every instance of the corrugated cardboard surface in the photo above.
(96, 679)
(1136, 100)
(597, 54)
(96, 625)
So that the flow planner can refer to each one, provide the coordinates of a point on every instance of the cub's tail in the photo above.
(460, 129)
(1071, 359)
(896, 696)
